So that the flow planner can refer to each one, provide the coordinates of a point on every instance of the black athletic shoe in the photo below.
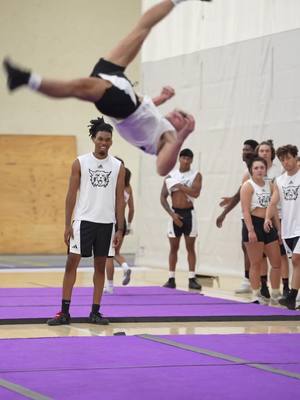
(59, 319)
(288, 302)
(193, 284)
(264, 291)
(16, 77)
(96, 318)
(285, 292)
(170, 283)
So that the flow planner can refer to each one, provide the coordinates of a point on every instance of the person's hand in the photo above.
(177, 219)
(268, 225)
(167, 92)
(225, 201)
(252, 237)
(220, 220)
(188, 126)
(68, 234)
(117, 238)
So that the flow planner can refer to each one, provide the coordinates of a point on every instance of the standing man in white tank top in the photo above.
(184, 186)
(94, 203)
(136, 118)
(287, 193)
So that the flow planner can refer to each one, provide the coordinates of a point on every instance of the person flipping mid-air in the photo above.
(136, 118)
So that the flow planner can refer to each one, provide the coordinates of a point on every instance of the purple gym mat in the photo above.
(133, 304)
(123, 367)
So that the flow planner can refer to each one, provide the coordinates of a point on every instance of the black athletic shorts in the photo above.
(189, 220)
(262, 236)
(292, 245)
(91, 238)
(115, 102)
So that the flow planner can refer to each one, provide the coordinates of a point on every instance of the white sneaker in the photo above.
(274, 299)
(244, 288)
(109, 289)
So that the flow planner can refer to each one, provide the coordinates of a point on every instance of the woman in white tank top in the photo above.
(266, 151)
(255, 197)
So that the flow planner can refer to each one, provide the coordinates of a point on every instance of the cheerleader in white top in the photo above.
(266, 151)
(136, 118)
(287, 193)
(255, 197)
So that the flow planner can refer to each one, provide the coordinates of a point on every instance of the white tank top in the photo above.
(97, 193)
(184, 178)
(144, 127)
(261, 195)
(289, 191)
(273, 172)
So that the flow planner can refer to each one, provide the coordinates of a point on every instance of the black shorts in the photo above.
(189, 220)
(292, 245)
(262, 236)
(115, 102)
(91, 238)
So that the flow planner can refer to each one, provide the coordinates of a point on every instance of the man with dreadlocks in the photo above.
(136, 118)
(98, 179)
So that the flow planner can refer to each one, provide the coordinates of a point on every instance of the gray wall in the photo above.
(249, 89)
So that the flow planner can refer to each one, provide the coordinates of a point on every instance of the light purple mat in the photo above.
(133, 304)
(134, 368)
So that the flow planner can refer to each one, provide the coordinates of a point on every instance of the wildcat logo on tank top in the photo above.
(290, 192)
(99, 178)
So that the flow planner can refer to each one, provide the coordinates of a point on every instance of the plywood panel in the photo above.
(34, 173)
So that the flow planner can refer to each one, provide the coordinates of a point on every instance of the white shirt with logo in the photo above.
(261, 195)
(184, 178)
(97, 193)
(289, 192)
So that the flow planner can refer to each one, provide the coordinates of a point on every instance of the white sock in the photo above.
(275, 292)
(171, 274)
(125, 266)
(35, 81)
(256, 292)
(110, 283)
(191, 274)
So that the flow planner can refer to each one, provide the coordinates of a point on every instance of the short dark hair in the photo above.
(97, 125)
(186, 153)
(269, 143)
(252, 143)
(252, 161)
(287, 149)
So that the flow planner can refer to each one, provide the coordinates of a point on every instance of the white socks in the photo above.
(110, 284)
(171, 274)
(125, 266)
(191, 274)
(35, 81)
